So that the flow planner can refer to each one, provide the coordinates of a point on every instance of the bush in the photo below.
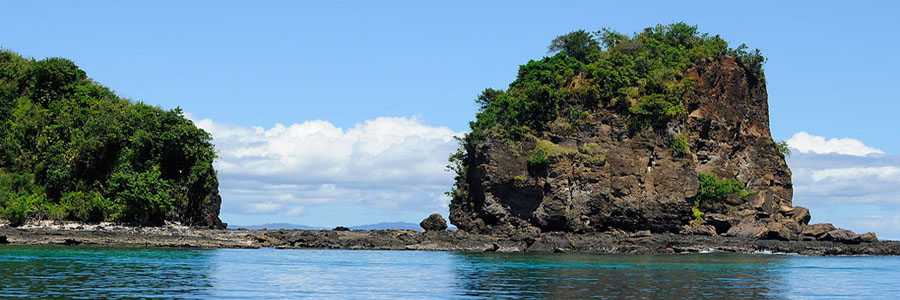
(783, 148)
(713, 189)
(680, 146)
(144, 196)
(538, 162)
(593, 152)
(20, 208)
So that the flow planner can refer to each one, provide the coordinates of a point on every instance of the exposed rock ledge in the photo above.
(608, 242)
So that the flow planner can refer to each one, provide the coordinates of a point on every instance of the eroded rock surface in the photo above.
(643, 242)
(637, 182)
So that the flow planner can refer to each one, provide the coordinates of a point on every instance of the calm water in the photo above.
(97, 273)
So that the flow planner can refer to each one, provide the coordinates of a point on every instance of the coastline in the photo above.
(458, 241)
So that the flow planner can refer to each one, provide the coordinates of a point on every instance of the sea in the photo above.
(78, 272)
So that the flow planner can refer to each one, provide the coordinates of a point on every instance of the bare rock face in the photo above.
(201, 213)
(635, 181)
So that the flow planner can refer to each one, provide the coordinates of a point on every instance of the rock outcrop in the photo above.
(449, 240)
(606, 176)
(434, 222)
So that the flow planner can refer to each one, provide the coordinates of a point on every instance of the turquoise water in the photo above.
(102, 273)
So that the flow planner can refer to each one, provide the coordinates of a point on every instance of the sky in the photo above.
(330, 113)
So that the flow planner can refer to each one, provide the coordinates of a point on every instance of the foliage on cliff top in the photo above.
(71, 149)
(640, 75)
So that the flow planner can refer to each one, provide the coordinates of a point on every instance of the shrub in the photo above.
(783, 148)
(698, 215)
(538, 162)
(713, 189)
(680, 146)
(593, 152)
(21, 208)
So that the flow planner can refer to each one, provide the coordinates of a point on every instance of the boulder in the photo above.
(817, 231)
(749, 228)
(786, 230)
(868, 237)
(721, 223)
(733, 199)
(434, 222)
(799, 214)
(695, 228)
(341, 228)
(841, 235)
(642, 233)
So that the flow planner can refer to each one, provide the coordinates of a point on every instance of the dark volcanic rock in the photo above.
(434, 222)
(698, 229)
(842, 236)
(453, 240)
(641, 184)
(341, 228)
(203, 213)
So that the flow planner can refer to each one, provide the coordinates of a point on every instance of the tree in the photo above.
(578, 44)
(53, 78)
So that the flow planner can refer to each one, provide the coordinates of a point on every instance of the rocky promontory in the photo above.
(644, 242)
(666, 131)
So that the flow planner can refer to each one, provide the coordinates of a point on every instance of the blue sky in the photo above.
(390, 82)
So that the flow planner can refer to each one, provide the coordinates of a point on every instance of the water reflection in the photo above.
(101, 273)
(571, 276)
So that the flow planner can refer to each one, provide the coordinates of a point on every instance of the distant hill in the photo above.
(388, 225)
(378, 226)
(271, 226)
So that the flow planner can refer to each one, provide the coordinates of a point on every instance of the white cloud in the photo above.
(806, 143)
(889, 173)
(385, 163)
(263, 208)
(841, 182)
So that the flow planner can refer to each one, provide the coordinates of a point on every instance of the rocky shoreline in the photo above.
(608, 242)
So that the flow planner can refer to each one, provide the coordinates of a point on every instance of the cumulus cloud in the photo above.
(806, 143)
(385, 163)
(843, 182)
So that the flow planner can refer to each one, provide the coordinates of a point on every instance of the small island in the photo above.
(656, 142)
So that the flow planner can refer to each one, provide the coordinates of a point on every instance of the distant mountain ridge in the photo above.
(288, 226)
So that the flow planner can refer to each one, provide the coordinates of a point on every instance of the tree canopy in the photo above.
(71, 149)
(640, 75)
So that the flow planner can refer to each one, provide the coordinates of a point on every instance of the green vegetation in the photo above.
(593, 152)
(71, 149)
(538, 162)
(680, 146)
(640, 76)
(713, 189)
(783, 148)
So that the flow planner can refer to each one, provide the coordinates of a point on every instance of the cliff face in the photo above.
(201, 212)
(603, 176)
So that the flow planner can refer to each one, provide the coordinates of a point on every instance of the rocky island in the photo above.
(656, 142)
